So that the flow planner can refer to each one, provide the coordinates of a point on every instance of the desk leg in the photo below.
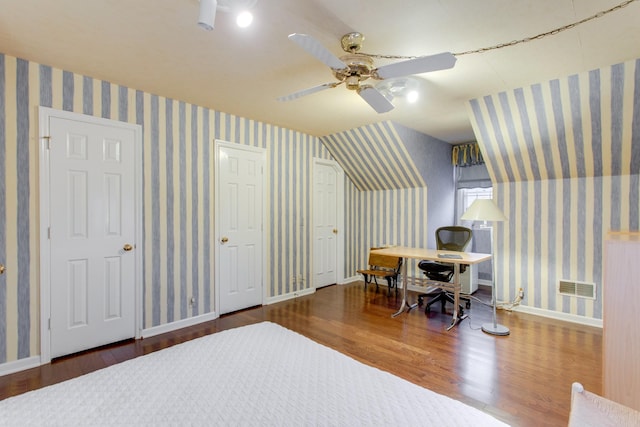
(404, 304)
(456, 295)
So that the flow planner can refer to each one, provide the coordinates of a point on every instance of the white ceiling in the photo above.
(156, 46)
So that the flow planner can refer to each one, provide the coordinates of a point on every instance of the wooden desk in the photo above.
(432, 255)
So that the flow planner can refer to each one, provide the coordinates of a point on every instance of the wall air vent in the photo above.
(577, 289)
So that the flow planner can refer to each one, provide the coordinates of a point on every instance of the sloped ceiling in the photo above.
(374, 158)
(386, 156)
(584, 125)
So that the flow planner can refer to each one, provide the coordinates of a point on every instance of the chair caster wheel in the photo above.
(420, 301)
(468, 305)
(427, 310)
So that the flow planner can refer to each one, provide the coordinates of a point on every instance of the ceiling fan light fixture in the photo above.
(355, 69)
(412, 96)
(207, 15)
(404, 87)
(353, 82)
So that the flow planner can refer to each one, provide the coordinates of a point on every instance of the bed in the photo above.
(262, 374)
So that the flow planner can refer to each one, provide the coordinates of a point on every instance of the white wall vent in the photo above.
(577, 289)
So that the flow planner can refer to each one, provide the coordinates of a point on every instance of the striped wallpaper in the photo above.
(374, 157)
(564, 157)
(178, 199)
(386, 217)
(387, 198)
(290, 157)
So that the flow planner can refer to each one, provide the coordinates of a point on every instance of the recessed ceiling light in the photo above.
(412, 96)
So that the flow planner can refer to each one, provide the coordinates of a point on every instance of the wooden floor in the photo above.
(524, 378)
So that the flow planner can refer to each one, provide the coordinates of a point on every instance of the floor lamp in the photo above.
(486, 210)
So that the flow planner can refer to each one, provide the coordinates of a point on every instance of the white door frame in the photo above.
(339, 218)
(217, 232)
(45, 114)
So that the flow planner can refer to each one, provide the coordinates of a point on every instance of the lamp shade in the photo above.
(483, 210)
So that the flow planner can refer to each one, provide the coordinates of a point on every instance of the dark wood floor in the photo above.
(524, 378)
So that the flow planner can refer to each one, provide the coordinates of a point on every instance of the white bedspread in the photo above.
(261, 375)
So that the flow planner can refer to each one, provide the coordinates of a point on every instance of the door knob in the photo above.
(335, 231)
(2, 268)
(127, 247)
(224, 239)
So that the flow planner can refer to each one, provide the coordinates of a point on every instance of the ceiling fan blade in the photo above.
(308, 91)
(375, 99)
(422, 64)
(315, 48)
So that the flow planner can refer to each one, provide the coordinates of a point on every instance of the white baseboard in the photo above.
(19, 365)
(574, 318)
(179, 324)
(348, 280)
(291, 295)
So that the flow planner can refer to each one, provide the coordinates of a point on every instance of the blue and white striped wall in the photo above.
(178, 199)
(564, 157)
(290, 157)
(386, 217)
(387, 199)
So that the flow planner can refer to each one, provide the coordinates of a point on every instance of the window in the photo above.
(464, 198)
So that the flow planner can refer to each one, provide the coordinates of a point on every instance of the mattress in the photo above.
(261, 374)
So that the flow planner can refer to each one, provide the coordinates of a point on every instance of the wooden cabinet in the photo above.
(621, 319)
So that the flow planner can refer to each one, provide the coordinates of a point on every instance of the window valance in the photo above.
(466, 155)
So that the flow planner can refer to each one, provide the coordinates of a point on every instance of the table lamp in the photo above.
(486, 210)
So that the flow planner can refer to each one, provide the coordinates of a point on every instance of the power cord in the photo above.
(509, 306)
(501, 305)
(473, 328)
(483, 302)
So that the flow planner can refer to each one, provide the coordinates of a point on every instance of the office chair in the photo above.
(450, 238)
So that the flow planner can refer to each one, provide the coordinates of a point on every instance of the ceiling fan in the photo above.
(354, 68)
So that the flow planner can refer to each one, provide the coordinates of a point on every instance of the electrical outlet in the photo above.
(521, 294)
(192, 301)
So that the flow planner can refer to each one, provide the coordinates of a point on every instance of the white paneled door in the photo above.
(325, 228)
(92, 232)
(239, 230)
